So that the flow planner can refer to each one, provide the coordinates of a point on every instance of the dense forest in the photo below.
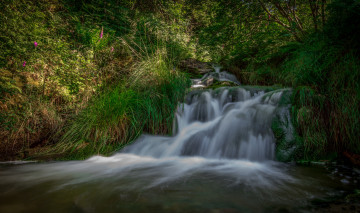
(85, 77)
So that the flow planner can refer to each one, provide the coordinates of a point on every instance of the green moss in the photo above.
(220, 84)
(289, 146)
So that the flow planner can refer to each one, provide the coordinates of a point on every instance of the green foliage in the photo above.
(329, 63)
(123, 112)
(73, 62)
(143, 99)
(241, 32)
(324, 70)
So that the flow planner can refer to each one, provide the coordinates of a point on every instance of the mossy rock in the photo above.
(219, 84)
(195, 67)
(289, 145)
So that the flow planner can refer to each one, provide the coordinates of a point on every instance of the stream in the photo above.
(222, 158)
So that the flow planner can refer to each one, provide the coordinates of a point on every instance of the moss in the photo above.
(288, 143)
(219, 84)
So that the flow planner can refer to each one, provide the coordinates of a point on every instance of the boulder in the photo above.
(195, 67)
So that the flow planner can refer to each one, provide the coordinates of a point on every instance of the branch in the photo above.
(275, 19)
(297, 19)
(313, 12)
(273, 16)
(288, 17)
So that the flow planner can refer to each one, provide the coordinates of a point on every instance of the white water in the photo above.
(218, 125)
(217, 68)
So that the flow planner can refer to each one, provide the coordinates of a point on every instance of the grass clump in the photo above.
(126, 110)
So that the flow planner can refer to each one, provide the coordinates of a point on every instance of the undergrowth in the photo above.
(146, 103)
(86, 77)
(324, 72)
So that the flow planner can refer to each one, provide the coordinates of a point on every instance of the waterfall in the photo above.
(219, 124)
(217, 68)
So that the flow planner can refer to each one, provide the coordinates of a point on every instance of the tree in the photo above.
(293, 15)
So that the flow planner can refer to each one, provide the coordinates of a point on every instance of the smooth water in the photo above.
(221, 159)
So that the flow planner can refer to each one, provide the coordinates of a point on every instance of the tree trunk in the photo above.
(314, 7)
(323, 3)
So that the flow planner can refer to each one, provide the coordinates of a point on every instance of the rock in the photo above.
(195, 67)
(222, 84)
(215, 80)
(354, 158)
(209, 81)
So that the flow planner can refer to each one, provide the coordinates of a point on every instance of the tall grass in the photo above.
(39, 85)
(103, 91)
(126, 110)
(144, 100)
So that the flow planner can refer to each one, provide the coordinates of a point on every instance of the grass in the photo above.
(144, 100)
(79, 93)
(123, 112)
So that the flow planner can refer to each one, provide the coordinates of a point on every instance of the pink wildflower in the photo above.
(102, 32)
(35, 44)
(24, 64)
(112, 49)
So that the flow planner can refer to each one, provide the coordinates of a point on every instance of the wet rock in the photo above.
(222, 84)
(288, 143)
(195, 67)
(209, 81)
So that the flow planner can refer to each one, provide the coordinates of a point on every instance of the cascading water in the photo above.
(217, 68)
(220, 159)
(221, 124)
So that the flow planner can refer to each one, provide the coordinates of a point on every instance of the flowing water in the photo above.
(220, 159)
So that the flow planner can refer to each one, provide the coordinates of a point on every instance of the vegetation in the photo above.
(85, 80)
(86, 77)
